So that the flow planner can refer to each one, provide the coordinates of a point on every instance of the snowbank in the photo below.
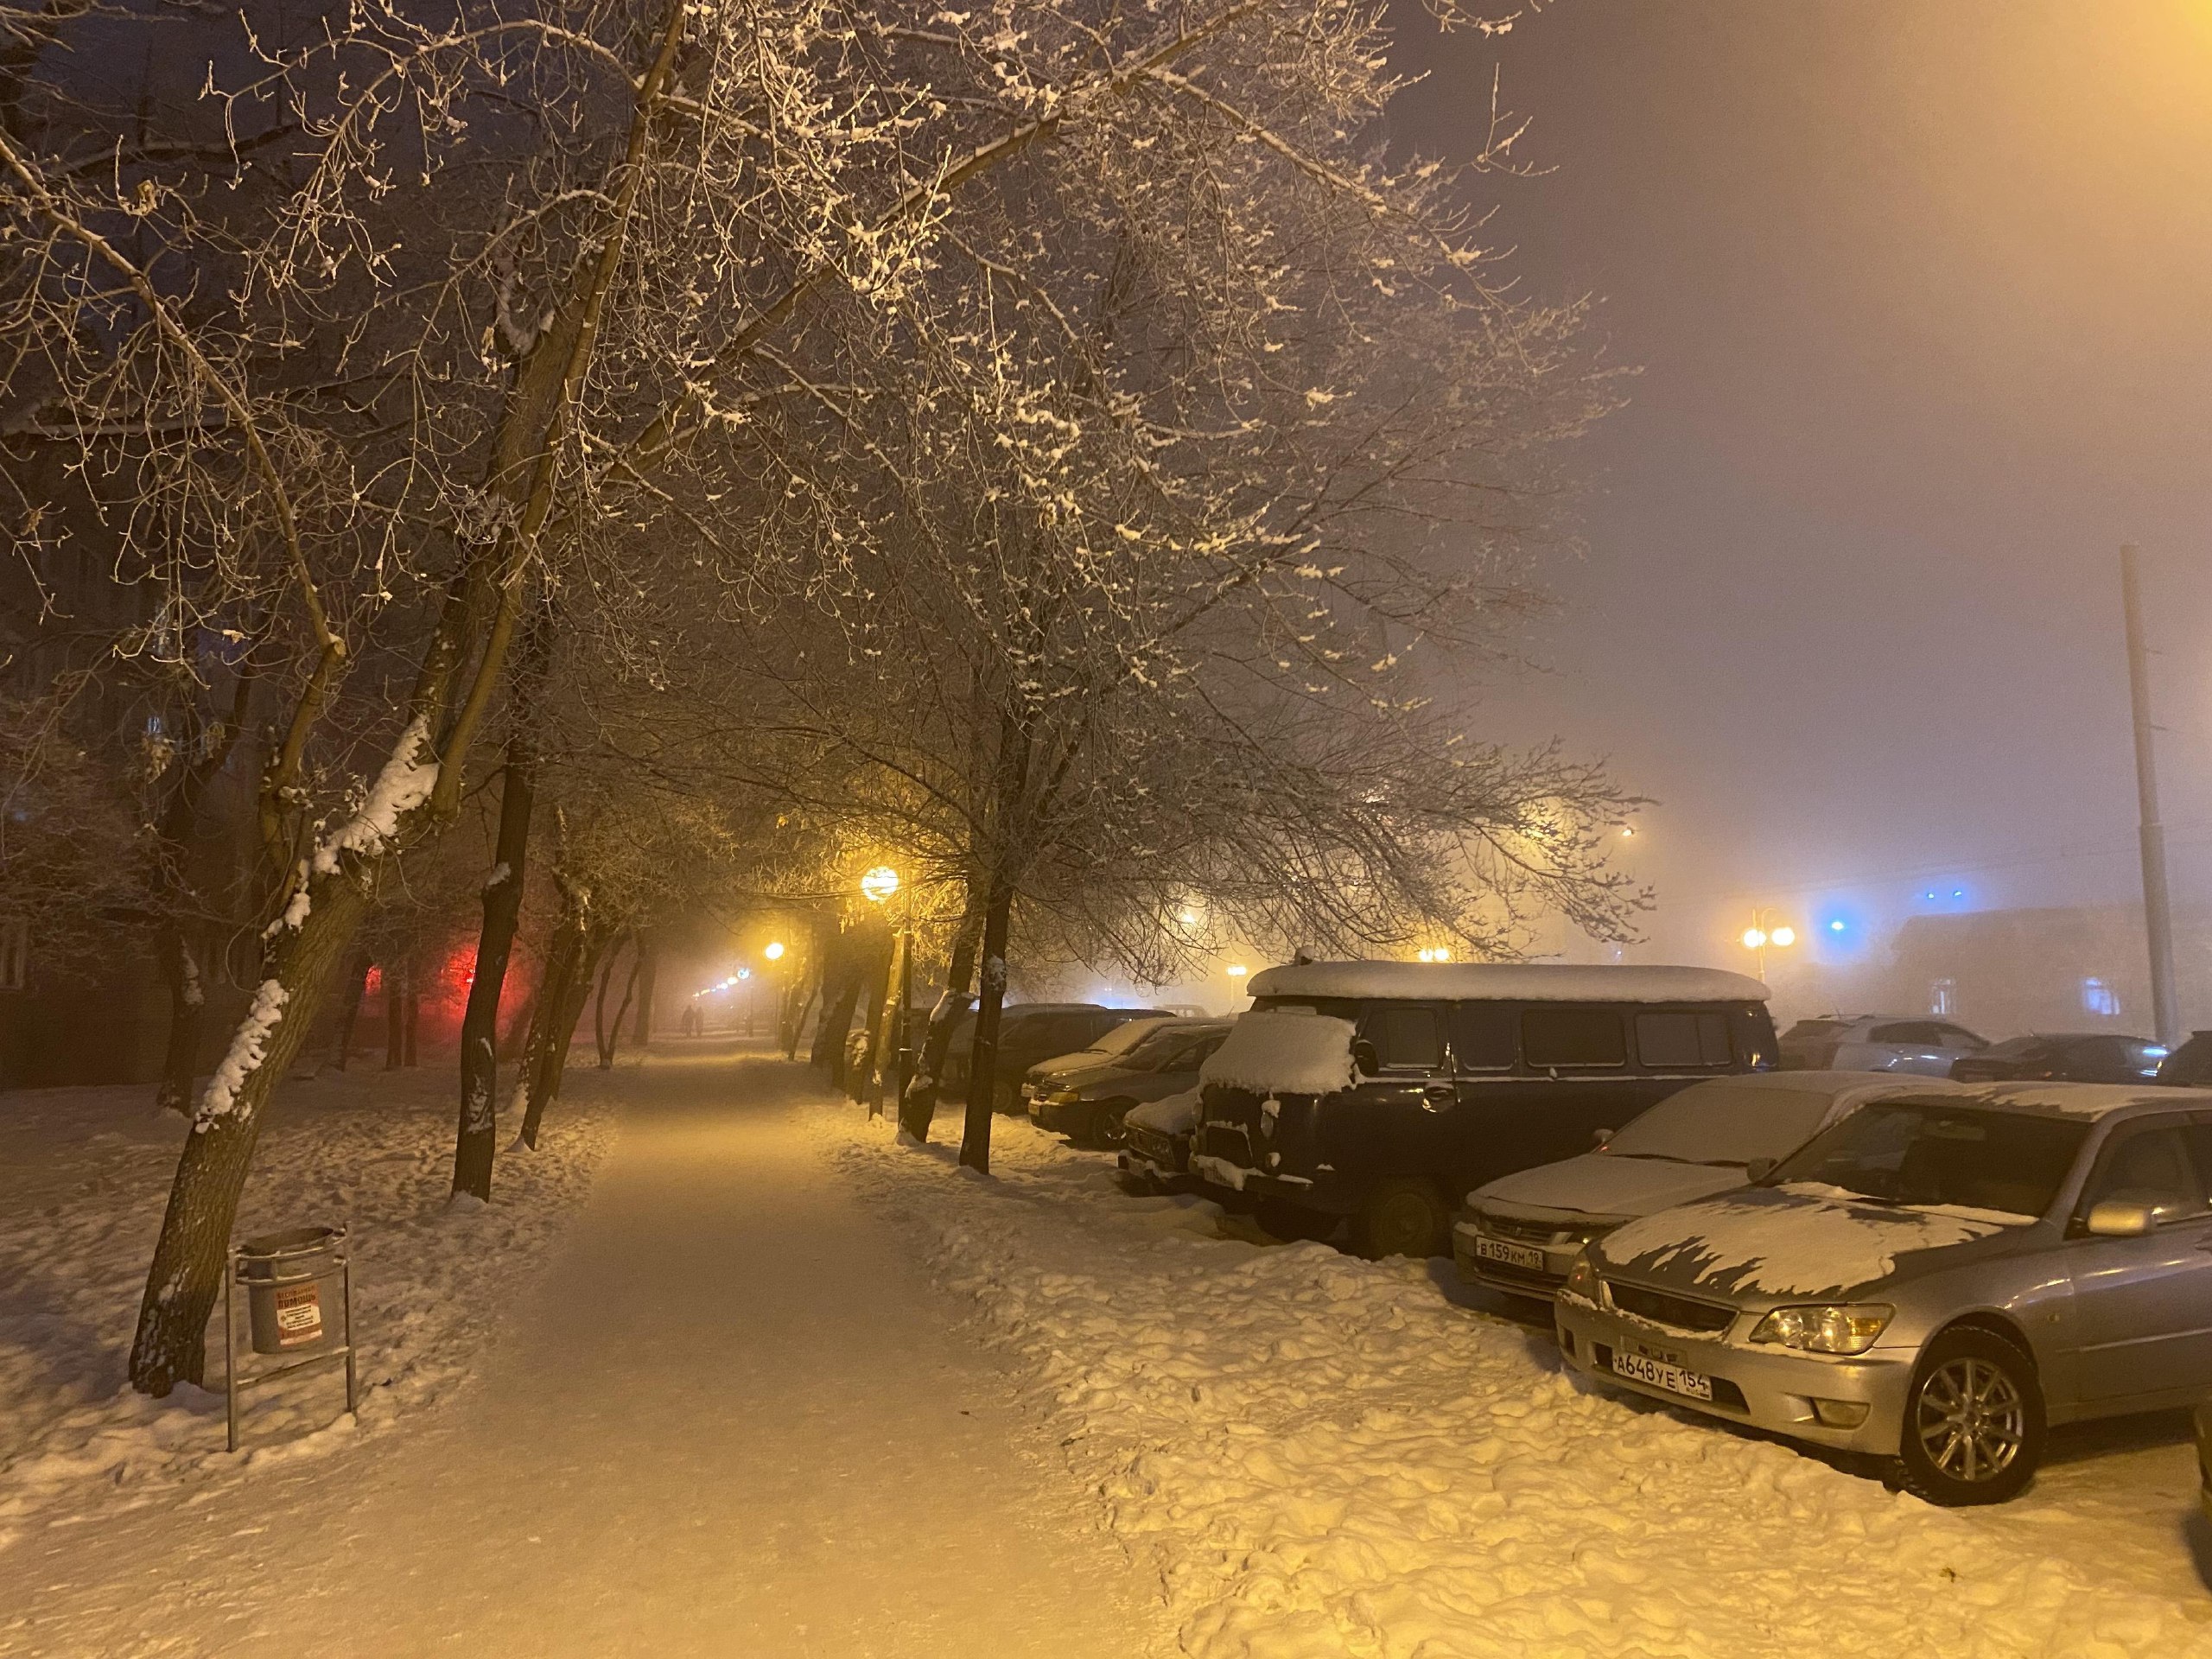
(1326, 1458)
(1283, 1051)
(87, 1174)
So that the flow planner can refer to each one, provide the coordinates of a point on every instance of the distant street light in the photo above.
(1763, 931)
(1237, 970)
(1434, 953)
(775, 950)
(879, 884)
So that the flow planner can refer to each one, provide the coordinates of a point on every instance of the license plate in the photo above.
(1658, 1374)
(1527, 1257)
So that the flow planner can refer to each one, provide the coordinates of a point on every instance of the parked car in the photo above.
(1088, 1106)
(1878, 1042)
(1521, 1233)
(1378, 1092)
(1156, 1145)
(2063, 1057)
(1103, 1049)
(1029, 1033)
(1935, 1279)
(2190, 1067)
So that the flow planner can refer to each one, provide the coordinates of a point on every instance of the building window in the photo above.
(2099, 998)
(14, 952)
(1943, 998)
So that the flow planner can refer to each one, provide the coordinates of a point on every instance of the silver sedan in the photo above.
(1935, 1279)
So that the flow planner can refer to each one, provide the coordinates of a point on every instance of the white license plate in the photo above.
(1525, 1256)
(1658, 1374)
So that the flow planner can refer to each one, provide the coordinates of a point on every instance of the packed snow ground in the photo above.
(1329, 1457)
(84, 1177)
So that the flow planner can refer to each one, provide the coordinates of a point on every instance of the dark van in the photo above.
(1457, 1073)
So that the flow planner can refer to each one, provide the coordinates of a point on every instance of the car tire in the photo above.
(1294, 1223)
(1006, 1098)
(1973, 1421)
(1107, 1129)
(1402, 1217)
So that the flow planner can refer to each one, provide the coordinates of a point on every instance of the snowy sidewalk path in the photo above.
(731, 1420)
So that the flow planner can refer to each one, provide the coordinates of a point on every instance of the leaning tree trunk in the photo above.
(613, 1039)
(550, 1064)
(394, 1014)
(418, 787)
(474, 1140)
(188, 1019)
(983, 1063)
(918, 1106)
(187, 1274)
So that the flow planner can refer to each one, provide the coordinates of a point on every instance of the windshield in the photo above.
(2013, 1048)
(1125, 1036)
(1724, 1122)
(1903, 1151)
(1157, 1048)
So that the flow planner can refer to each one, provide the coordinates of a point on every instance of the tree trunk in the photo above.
(414, 1012)
(614, 1031)
(517, 1041)
(186, 1274)
(802, 999)
(474, 1140)
(188, 1019)
(983, 1063)
(358, 975)
(599, 1042)
(395, 1013)
(648, 977)
(418, 788)
(918, 1106)
(562, 958)
(551, 1061)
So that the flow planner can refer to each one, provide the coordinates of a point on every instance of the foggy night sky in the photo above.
(1922, 297)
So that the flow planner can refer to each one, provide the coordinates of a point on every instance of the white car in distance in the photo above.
(1520, 1233)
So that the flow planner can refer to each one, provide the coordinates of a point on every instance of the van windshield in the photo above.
(1927, 1152)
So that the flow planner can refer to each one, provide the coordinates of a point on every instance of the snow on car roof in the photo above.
(2086, 1099)
(1511, 981)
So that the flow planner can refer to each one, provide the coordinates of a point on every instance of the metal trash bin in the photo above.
(292, 1281)
(299, 1286)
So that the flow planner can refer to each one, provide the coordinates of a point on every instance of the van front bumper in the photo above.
(1780, 1390)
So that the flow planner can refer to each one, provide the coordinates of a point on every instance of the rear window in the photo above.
(1405, 1039)
(1571, 1036)
(1682, 1039)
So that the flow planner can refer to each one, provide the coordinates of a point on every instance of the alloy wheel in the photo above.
(1970, 1419)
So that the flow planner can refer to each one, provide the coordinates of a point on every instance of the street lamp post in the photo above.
(1764, 930)
(877, 887)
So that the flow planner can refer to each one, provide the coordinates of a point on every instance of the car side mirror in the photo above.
(1599, 1137)
(2115, 1219)
(1758, 1169)
(1364, 1058)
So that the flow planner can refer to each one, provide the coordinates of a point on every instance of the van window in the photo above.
(1405, 1039)
(1571, 1036)
(1483, 1037)
(1676, 1040)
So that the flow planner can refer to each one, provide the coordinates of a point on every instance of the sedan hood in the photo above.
(1605, 1184)
(1763, 1244)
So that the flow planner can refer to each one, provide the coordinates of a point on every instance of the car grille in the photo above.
(1225, 1140)
(1150, 1143)
(1538, 1232)
(1679, 1312)
(1505, 1272)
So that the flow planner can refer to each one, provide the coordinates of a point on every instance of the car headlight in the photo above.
(1824, 1329)
(1582, 1278)
(1062, 1097)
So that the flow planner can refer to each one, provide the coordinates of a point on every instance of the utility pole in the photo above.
(2157, 916)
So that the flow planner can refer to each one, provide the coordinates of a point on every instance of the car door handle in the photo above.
(1437, 1095)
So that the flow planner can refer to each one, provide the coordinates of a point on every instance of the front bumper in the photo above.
(1259, 1185)
(1541, 1276)
(1773, 1389)
(1060, 1116)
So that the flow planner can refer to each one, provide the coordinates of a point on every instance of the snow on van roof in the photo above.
(1510, 982)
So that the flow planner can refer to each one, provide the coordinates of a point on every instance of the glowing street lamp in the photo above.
(1434, 953)
(879, 884)
(775, 950)
(1765, 931)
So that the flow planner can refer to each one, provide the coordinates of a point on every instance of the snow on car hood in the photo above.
(1604, 1184)
(1801, 1239)
(1174, 1115)
(1283, 1051)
